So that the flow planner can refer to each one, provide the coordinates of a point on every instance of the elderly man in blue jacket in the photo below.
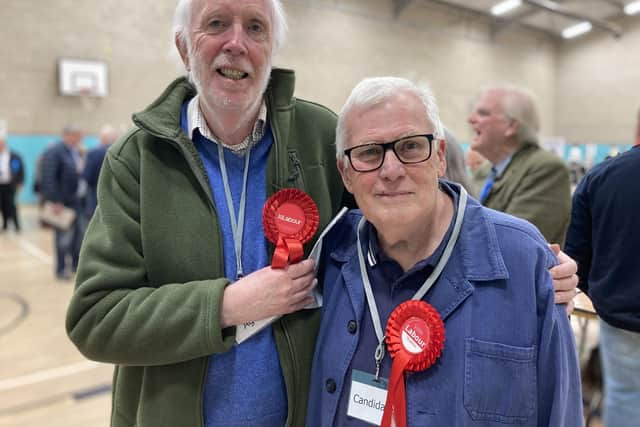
(481, 342)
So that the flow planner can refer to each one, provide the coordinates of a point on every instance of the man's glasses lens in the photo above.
(412, 149)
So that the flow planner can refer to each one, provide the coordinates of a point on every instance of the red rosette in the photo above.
(415, 339)
(416, 329)
(290, 219)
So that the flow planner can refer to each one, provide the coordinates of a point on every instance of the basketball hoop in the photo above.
(87, 98)
(84, 79)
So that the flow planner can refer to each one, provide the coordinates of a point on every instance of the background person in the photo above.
(474, 161)
(495, 294)
(11, 179)
(523, 179)
(456, 170)
(606, 201)
(95, 157)
(61, 184)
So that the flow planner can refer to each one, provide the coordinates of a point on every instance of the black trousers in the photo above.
(8, 206)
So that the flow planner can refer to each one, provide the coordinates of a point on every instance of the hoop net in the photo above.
(87, 98)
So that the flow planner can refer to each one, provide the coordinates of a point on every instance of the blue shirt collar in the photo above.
(501, 166)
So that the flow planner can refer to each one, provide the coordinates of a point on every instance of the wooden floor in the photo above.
(44, 381)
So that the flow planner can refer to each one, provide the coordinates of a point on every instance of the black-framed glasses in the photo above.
(409, 150)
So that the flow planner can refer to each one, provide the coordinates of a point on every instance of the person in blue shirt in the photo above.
(509, 354)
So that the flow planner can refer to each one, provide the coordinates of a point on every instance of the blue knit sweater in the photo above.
(244, 386)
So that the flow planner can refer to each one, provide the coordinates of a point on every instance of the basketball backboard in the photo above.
(81, 77)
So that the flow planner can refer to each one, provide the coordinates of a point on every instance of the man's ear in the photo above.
(513, 128)
(344, 173)
(183, 50)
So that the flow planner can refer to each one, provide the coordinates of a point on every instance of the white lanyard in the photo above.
(237, 226)
(442, 262)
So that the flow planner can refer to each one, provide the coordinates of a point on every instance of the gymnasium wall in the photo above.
(585, 88)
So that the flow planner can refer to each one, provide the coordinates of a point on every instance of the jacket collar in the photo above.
(504, 176)
(476, 257)
(162, 120)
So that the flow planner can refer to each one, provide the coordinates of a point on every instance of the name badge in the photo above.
(367, 397)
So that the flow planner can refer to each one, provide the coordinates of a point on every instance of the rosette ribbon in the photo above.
(290, 219)
(415, 338)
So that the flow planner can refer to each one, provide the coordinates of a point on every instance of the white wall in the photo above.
(587, 89)
(333, 45)
(597, 86)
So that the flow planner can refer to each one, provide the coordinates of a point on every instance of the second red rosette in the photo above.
(290, 219)
(415, 338)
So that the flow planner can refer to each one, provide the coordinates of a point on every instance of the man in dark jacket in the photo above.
(603, 238)
(11, 179)
(95, 157)
(62, 186)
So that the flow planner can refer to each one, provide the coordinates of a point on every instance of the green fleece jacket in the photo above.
(151, 275)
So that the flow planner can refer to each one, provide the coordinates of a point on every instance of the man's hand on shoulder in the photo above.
(565, 278)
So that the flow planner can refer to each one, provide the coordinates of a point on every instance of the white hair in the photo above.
(375, 90)
(519, 104)
(182, 23)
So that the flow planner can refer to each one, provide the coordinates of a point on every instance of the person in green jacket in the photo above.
(175, 257)
(522, 179)
(162, 282)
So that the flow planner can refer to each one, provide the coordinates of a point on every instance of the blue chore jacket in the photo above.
(509, 356)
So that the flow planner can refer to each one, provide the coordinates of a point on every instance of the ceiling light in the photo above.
(576, 30)
(632, 8)
(505, 6)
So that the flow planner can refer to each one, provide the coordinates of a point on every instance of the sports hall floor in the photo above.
(43, 378)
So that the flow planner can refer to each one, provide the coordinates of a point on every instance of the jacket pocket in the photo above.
(500, 382)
